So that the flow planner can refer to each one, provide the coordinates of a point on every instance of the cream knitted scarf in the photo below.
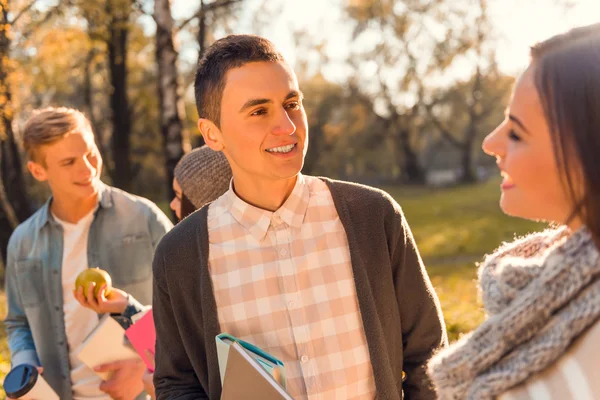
(539, 293)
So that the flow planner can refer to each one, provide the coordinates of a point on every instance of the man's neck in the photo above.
(267, 195)
(72, 210)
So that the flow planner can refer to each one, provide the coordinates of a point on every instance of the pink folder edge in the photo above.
(142, 336)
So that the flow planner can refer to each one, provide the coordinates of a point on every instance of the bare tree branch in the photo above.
(445, 132)
(209, 7)
(23, 11)
(137, 5)
(49, 14)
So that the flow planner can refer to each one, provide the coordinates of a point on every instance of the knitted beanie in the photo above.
(203, 174)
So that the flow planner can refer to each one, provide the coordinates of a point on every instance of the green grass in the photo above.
(453, 228)
(460, 222)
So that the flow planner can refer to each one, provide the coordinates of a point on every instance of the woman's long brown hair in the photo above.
(567, 78)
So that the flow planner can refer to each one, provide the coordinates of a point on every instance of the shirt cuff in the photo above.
(25, 357)
(133, 307)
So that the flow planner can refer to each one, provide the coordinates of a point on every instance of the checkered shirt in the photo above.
(283, 281)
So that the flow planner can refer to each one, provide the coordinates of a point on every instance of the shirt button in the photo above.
(283, 252)
(304, 359)
(292, 305)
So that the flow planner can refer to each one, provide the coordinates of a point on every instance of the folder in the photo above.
(142, 336)
(106, 343)
(246, 378)
(271, 364)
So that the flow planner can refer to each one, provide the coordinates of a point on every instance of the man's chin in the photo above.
(85, 191)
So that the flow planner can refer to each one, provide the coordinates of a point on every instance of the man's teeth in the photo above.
(282, 149)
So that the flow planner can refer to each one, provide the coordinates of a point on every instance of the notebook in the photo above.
(271, 364)
(246, 379)
(106, 343)
(142, 336)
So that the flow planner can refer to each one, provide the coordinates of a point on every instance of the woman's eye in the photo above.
(512, 135)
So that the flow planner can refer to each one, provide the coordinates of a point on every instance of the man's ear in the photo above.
(211, 134)
(38, 171)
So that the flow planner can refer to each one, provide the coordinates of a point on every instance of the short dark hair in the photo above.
(567, 79)
(232, 51)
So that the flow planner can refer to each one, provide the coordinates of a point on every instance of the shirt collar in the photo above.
(104, 201)
(257, 220)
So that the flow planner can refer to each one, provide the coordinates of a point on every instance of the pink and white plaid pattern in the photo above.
(283, 281)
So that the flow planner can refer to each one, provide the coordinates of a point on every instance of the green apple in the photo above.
(96, 275)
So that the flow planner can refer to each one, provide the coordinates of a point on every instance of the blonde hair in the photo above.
(49, 125)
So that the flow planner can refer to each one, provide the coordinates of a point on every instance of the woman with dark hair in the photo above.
(542, 292)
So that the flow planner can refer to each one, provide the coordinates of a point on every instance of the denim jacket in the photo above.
(123, 236)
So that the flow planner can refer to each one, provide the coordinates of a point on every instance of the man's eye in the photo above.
(293, 105)
(261, 111)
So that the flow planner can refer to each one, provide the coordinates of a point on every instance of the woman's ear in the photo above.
(211, 134)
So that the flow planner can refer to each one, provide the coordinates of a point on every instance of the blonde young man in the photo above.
(85, 223)
(324, 275)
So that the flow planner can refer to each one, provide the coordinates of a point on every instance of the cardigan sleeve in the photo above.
(423, 328)
(174, 375)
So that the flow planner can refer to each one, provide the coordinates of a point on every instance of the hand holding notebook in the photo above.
(104, 345)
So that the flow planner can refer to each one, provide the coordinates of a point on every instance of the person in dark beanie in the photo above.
(201, 176)
(322, 274)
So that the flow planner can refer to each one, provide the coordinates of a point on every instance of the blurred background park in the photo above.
(399, 95)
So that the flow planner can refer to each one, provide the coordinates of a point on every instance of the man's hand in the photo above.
(114, 303)
(125, 382)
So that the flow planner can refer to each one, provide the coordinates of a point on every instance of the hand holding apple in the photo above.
(93, 290)
(95, 276)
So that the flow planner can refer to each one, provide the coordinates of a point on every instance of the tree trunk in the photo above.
(170, 102)
(412, 172)
(201, 31)
(88, 101)
(119, 104)
(468, 172)
(14, 205)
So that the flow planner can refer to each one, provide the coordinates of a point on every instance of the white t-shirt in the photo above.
(79, 321)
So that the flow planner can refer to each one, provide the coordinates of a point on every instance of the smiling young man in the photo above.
(324, 275)
(84, 224)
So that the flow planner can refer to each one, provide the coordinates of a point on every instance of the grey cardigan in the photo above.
(400, 311)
